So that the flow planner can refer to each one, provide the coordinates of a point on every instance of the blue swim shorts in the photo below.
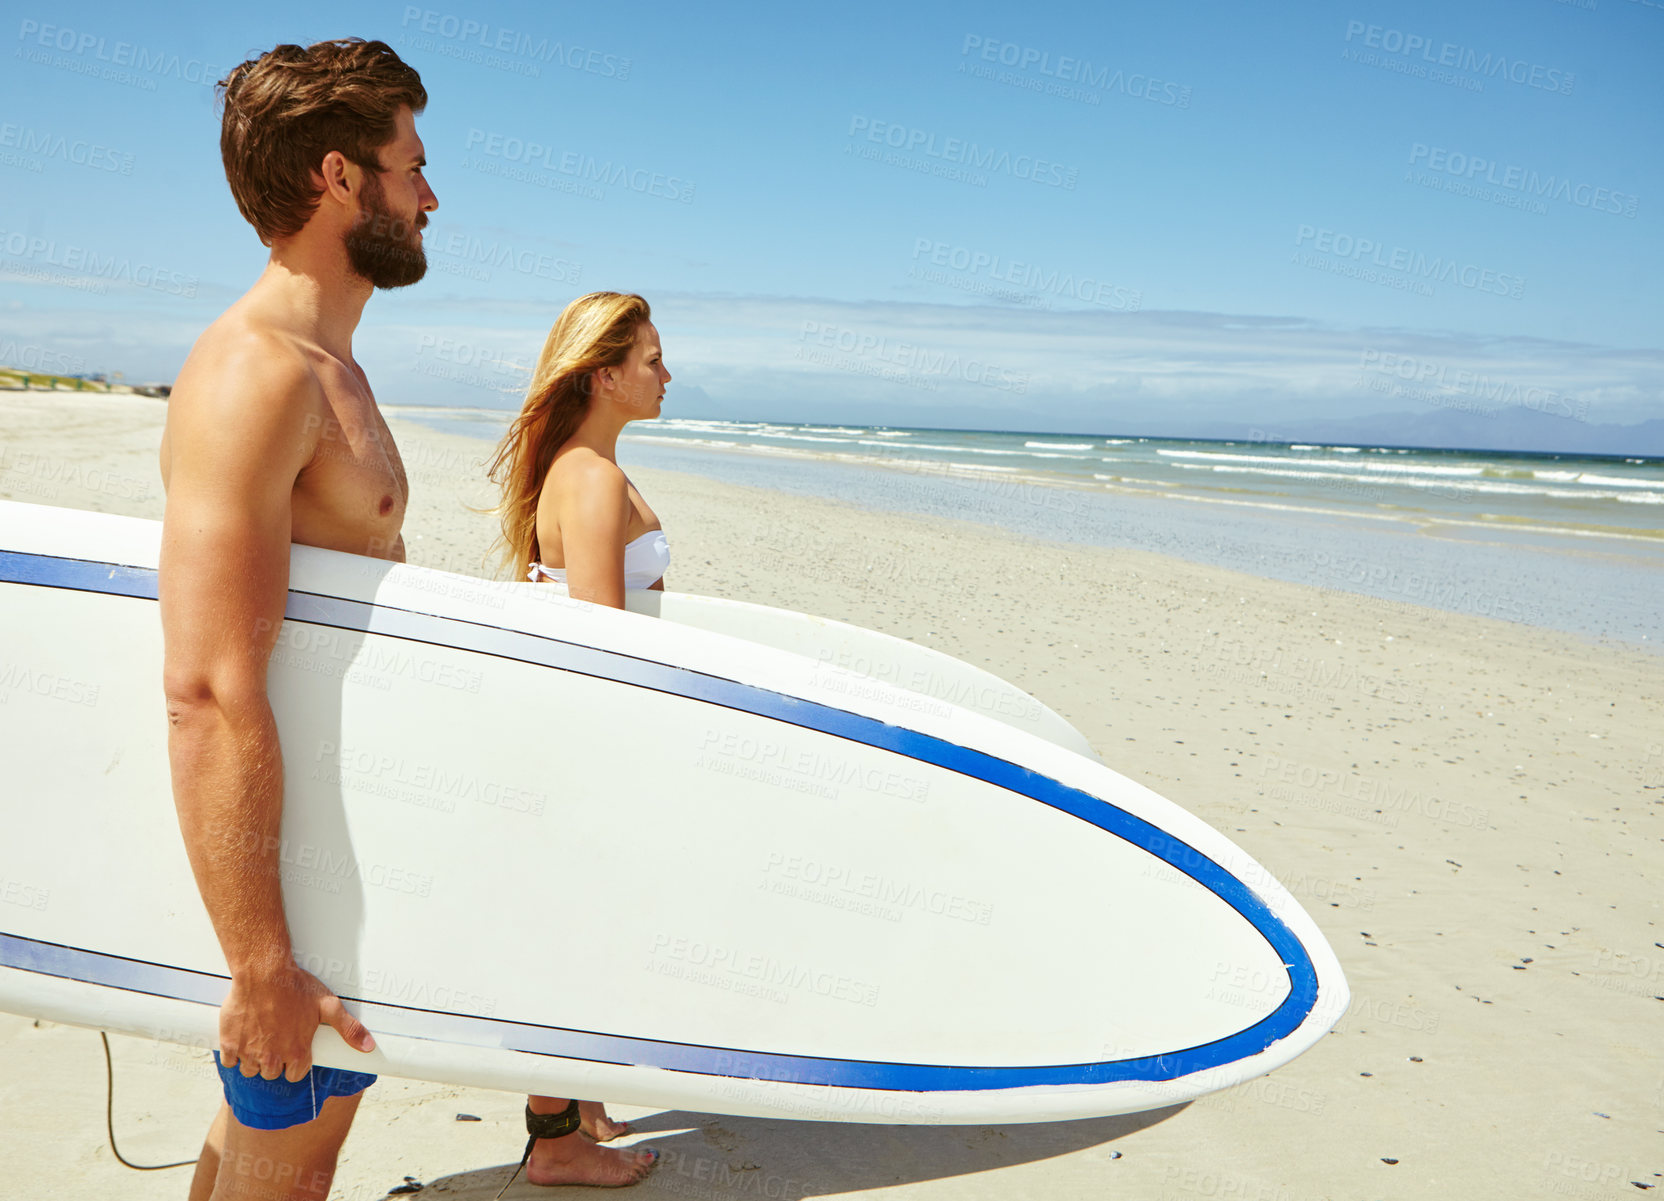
(278, 1104)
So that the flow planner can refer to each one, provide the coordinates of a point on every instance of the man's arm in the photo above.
(238, 439)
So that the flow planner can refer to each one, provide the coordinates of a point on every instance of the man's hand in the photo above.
(269, 1018)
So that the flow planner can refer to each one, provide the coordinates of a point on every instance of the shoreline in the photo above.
(1464, 805)
(1601, 584)
(460, 412)
(1513, 572)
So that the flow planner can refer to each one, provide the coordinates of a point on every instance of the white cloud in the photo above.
(924, 364)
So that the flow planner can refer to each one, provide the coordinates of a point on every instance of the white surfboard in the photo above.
(856, 659)
(849, 658)
(821, 903)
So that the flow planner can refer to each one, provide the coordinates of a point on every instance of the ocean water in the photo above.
(1566, 541)
(1568, 493)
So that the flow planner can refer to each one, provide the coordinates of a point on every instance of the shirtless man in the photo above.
(273, 437)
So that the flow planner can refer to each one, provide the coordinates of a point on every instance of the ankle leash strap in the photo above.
(543, 1125)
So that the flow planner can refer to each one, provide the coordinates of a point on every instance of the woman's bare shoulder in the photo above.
(579, 468)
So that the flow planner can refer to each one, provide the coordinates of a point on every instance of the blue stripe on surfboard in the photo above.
(83, 575)
(138, 976)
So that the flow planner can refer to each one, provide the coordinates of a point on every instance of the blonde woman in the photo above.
(570, 514)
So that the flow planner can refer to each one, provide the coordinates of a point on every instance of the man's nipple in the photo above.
(386, 505)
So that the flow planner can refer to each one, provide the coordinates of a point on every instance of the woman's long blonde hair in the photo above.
(592, 332)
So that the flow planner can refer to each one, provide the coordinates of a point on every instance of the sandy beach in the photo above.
(1470, 808)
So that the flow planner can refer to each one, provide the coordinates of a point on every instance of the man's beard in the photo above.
(381, 247)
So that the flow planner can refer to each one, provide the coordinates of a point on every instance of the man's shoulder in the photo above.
(246, 362)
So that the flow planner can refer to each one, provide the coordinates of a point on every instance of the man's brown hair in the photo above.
(291, 106)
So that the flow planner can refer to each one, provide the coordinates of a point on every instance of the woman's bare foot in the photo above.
(597, 1125)
(574, 1159)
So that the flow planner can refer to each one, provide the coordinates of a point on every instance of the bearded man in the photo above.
(273, 437)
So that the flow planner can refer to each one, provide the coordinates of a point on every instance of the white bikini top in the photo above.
(645, 561)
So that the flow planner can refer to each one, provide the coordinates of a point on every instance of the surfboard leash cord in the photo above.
(543, 1125)
(538, 1125)
(110, 1120)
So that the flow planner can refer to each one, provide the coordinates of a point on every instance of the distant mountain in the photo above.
(1512, 429)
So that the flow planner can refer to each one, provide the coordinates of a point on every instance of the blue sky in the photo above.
(960, 214)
